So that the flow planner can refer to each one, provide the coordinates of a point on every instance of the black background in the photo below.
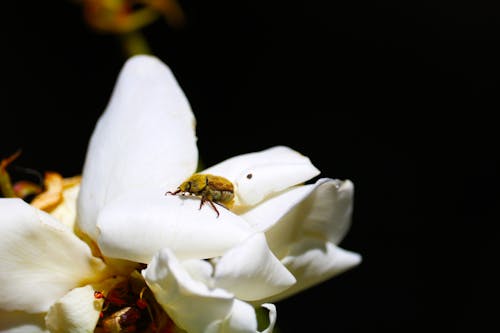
(400, 98)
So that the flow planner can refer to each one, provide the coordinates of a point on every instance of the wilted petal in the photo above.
(251, 271)
(65, 212)
(41, 259)
(22, 322)
(146, 136)
(312, 261)
(261, 174)
(138, 224)
(75, 312)
(190, 303)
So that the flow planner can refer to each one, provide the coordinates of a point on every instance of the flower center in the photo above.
(130, 306)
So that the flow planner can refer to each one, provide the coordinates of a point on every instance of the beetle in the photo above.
(211, 189)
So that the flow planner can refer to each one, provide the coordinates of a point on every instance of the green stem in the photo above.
(134, 43)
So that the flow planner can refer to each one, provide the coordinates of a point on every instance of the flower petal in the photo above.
(41, 259)
(271, 308)
(138, 224)
(190, 303)
(312, 261)
(145, 136)
(261, 174)
(264, 215)
(199, 270)
(22, 322)
(194, 306)
(75, 312)
(322, 211)
(251, 271)
(65, 212)
(331, 211)
(242, 319)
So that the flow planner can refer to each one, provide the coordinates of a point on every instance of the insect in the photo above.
(211, 189)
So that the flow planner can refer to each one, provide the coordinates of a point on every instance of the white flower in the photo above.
(43, 264)
(208, 272)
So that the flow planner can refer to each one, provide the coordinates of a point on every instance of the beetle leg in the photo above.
(213, 206)
(204, 199)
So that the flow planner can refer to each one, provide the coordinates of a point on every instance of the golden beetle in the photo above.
(211, 189)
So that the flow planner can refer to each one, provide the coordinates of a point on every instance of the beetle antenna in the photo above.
(173, 193)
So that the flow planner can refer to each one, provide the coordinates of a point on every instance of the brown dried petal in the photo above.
(52, 195)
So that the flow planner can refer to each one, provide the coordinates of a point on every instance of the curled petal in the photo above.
(261, 174)
(244, 319)
(331, 211)
(146, 136)
(41, 259)
(312, 261)
(77, 311)
(250, 270)
(191, 304)
(138, 224)
(271, 317)
(22, 322)
(321, 210)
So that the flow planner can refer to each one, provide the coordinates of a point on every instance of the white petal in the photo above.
(196, 307)
(22, 322)
(322, 211)
(242, 319)
(261, 174)
(263, 216)
(75, 312)
(145, 136)
(251, 271)
(272, 317)
(136, 226)
(41, 259)
(191, 304)
(331, 213)
(199, 270)
(312, 261)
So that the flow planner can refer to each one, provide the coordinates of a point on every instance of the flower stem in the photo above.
(134, 43)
